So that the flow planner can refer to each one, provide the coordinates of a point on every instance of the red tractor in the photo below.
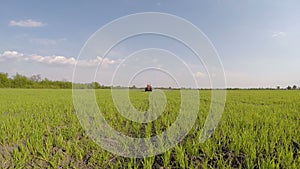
(148, 88)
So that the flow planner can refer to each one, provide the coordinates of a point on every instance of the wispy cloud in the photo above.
(51, 59)
(27, 23)
(278, 34)
(47, 42)
(56, 60)
(200, 75)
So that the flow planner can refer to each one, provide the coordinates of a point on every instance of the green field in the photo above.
(258, 129)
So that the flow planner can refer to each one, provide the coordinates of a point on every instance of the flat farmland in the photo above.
(259, 129)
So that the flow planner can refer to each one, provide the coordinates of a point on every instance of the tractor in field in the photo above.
(148, 88)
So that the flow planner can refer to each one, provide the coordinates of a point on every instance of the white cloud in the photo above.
(278, 34)
(95, 62)
(51, 59)
(11, 54)
(199, 75)
(27, 23)
(58, 60)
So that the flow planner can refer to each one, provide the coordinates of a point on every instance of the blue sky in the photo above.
(257, 41)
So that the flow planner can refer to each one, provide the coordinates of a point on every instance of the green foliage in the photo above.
(294, 87)
(4, 80)
(36, 82)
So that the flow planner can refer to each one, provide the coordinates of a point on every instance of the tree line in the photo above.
(36, 82)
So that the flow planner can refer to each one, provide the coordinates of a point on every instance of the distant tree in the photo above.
(294, 87)
(4, 80)
(62, 84)
(36, 78)
(278, 87)
(45, 83)
(96, 85)
(133, 86)
(289, 88)
(20, 81)
(35, 81)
